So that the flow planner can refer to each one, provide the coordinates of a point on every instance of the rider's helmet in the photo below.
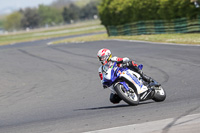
(104, 55)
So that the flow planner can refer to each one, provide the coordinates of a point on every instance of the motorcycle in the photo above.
(129, 85)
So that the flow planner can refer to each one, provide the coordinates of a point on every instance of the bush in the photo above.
(13, 21)
(49, 15)
(117, 12)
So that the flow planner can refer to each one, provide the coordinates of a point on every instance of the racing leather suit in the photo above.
(130, 64)
(114, 98)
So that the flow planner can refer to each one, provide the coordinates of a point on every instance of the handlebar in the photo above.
(119, 62)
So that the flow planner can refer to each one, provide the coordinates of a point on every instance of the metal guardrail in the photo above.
(181, 25)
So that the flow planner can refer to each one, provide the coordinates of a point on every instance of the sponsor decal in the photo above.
(134, 79)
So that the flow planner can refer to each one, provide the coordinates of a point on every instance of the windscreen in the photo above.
(107, 66)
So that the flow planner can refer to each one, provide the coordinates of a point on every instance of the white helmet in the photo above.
(104, 55)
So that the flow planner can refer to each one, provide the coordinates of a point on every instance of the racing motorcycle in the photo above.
(129, 85)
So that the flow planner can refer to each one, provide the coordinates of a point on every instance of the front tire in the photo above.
(131, 97)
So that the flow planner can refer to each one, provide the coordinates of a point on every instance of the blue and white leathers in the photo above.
(113, 75)
(128, 85)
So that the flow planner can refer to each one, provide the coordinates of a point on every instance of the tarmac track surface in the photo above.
(56, 88)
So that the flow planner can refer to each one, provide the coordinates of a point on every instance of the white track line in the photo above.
(185, 124)
(123, 40)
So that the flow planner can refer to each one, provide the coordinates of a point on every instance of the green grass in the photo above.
(166, 38)
(83, 39)
(92, 27)
(163, 38)
(73, 29)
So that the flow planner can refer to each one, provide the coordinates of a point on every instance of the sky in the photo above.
(8, 6)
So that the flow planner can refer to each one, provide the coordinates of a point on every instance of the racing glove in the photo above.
(105, 86)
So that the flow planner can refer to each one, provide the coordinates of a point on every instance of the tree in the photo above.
(49, 15)
(66, 15)
(13, 21)
(2, 20)
(88, 11)
(71, 13)
(30, 18)
(115, 12)
(119, 12)
(61, 3)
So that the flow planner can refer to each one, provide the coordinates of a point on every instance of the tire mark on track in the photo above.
(166, 76)
(71, 53)
(51, 61)
(181, 61)
(68, 52)
(61, 68)
(19, 95)
(171, 124)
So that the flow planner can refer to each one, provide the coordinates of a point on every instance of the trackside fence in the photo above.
(182, 25)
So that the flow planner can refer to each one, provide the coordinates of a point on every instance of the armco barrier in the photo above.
(181, 25)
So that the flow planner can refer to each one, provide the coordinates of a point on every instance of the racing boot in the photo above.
(154, 83)
(114, 98)
(148, 79)
(131, 65)
(145, 77)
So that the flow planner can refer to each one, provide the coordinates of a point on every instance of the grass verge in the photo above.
(162, 38)
(39, 34)
(92, 27)
(83, 39)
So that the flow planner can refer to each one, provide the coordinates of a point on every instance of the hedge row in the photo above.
(119, 12)
(182, 25)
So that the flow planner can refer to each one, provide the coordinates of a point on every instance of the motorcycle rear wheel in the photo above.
(131, 97)
(159, 95)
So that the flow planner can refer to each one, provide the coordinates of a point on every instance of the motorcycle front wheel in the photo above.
(131, 97)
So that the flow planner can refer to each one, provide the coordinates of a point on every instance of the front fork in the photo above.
(123, 83)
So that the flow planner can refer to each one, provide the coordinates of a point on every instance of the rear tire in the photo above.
(131, 97)
(159, 95)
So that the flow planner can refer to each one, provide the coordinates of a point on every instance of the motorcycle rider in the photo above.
(104, 55)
